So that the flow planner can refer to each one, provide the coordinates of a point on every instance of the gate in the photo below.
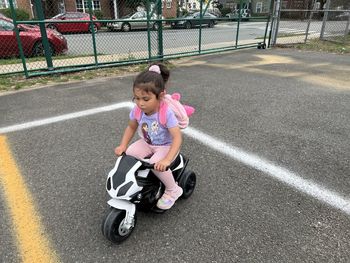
(301, 21)
(92, 34)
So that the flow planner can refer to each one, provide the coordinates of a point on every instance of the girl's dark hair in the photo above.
(151, 81)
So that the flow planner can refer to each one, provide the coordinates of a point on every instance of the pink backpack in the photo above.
(182, 112)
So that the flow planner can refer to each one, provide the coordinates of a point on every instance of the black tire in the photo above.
(211, 24)
(95, 29)
(112, 226)
(38, 49)
(187, 183)
(52, 26)
(126, 27)
(188, 25)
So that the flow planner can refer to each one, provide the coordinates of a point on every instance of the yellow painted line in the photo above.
(32, 242)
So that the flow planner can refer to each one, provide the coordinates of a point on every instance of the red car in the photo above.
(30, 38)
(75, 26)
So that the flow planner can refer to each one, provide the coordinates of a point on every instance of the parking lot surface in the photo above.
(269, 143)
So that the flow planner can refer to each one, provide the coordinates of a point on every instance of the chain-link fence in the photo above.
(45, 37)
(300, 21)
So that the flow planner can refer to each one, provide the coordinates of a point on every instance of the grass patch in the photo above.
(17, 82)
(340, 45)
(10, 61)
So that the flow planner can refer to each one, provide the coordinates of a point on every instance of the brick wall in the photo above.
(25, 5)
(70, 6)
(106, 7)
(169, 12)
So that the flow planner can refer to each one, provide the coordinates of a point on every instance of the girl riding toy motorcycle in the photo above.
(133, 186)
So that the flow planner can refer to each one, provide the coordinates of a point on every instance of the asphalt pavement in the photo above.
(269, 142)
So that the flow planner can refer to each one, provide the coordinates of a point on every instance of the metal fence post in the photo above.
(160, 29)
(14, 16)
(309, 21)
(269, 21)
(200, 26)
(92, 31)
(275, 24)
(325, 16)
(346, 32)
(44, 39)
(148, 30)
(239, 21)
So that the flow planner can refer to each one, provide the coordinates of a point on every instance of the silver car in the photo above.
(137, 20)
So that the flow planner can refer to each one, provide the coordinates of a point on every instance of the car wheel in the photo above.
(155, 26)
(52, 26)
(38, 49)
(188, 25)
(126, 27)
(211, 24)
(95, 29)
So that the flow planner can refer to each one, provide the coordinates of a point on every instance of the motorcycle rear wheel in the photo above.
(187, 183)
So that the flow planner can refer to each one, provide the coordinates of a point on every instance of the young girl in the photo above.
(163, 142)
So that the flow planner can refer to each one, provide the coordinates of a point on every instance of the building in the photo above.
(255, 6)
(109, 9)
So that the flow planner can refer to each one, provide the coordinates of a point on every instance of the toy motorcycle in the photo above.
(133, 186)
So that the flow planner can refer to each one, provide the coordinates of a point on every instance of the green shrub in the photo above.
(225, 10)
(98, 14)
(20, 13)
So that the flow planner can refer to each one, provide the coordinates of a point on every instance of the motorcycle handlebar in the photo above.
(148, 165)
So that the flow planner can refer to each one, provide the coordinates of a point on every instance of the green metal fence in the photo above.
(96, 33)
(310, 21)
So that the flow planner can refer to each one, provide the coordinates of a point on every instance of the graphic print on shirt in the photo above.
(150, 134)
(145, 133)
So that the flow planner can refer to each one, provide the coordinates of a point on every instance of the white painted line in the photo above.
(279, 173)
(65, 117)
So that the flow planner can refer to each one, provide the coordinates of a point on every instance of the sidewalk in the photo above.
(112, 58)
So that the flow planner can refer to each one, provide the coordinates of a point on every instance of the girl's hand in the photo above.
(162, 165)
(119, 150)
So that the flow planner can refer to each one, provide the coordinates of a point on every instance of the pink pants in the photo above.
(140, 149)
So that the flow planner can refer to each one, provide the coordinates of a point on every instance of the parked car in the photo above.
(30, 38)
(234, 15)
(128, 22)
(343, 16)
(73, 27)
(192, 20)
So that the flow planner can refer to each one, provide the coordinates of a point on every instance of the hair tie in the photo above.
(154, 68)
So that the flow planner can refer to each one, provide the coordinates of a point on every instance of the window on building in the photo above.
(96, 5)
(168, 3)
(6, 4)
(83, 6)
(259, 7)
(194, 5)
(318, 5)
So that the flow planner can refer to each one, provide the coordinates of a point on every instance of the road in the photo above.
(268, 141)
(137, 41)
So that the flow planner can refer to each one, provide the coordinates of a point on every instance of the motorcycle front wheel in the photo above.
(113, 227)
